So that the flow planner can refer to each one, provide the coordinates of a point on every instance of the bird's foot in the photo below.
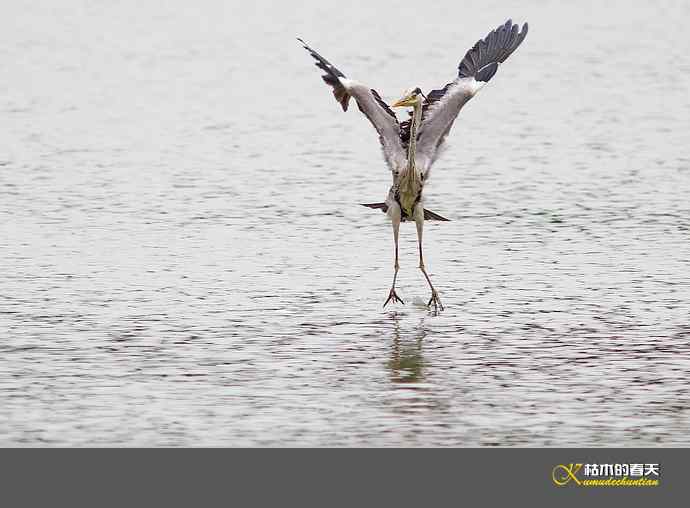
(436, 300)
(393, 296)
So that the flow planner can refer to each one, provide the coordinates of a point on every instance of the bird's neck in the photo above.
(411, 182)
(414, 127)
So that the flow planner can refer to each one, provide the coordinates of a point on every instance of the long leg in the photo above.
(392, 295)
(435, 299)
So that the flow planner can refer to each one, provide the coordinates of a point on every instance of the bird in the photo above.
(411, 147)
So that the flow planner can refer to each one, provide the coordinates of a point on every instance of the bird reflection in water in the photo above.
(406, 362)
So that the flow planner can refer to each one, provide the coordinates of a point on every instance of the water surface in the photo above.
(183, 260)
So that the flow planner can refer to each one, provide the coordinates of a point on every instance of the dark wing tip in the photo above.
(523, 32)
(495, 48)
(331, 77)
(487, 72)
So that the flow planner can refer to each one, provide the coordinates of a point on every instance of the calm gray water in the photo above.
(183, 260)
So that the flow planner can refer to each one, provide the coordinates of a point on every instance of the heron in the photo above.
(412, 146)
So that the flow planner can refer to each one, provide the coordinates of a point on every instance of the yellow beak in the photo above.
(405, 101)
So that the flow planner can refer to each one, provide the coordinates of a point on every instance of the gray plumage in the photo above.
(370, 103)
(480, 64)
(477, 67)
(411, 147)
(495, 48)
(332, 76)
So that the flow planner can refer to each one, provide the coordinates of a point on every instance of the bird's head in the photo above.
(410, 98)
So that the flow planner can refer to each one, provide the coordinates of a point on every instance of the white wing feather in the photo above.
(370, 103)
(384, 122)
(477, 67)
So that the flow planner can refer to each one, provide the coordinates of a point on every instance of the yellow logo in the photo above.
(562, 474)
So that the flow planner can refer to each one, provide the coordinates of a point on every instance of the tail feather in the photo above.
(378, 206)
(428, 214)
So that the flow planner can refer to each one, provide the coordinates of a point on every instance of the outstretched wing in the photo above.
(475, 70)
(370, 103)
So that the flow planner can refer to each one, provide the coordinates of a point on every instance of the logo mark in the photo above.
(562, 474)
